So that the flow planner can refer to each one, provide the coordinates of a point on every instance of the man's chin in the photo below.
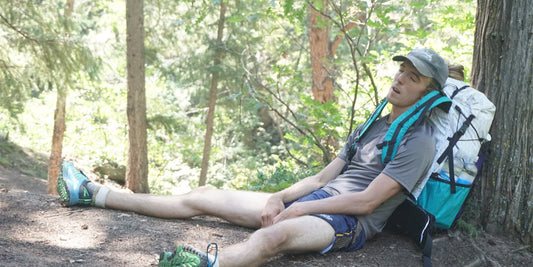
(390, 98)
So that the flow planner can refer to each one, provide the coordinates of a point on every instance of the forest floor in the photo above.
(36, 230)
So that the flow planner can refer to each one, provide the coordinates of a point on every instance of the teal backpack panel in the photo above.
(447, 206)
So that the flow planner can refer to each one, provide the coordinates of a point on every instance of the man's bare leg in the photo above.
(302, 234)
(239, 207)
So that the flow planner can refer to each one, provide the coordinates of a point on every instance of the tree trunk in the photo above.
(503, 69)
(322, 51)
(54, 164)
(212, 96)
(137, 168)
(321, 55)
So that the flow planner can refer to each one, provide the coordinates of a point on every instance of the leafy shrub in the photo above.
(281, 178)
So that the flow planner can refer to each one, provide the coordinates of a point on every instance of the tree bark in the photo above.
(54, 163)
(321, 54)
(322, 51)
(212, 96)
(137, 168)
(503, 70)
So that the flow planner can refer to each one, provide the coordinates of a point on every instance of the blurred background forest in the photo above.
(269, 127)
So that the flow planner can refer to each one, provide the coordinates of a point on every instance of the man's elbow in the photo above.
(368, 208)
(320, 180)
(370, 202)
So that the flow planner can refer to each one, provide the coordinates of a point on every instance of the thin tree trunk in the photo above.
(321, 55)
(137, 168)
(212, 96)
(503, 69)
(54, 163)
(322, 51)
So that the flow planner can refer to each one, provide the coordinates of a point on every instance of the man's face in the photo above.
(407, 87)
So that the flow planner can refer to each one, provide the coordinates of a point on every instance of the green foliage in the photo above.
(273, 181)
(467, 228)
(41, 50)
(314, 116)
(267, 127)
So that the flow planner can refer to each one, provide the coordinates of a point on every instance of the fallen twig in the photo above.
(484, 255)
(63, 213)
(520, 249)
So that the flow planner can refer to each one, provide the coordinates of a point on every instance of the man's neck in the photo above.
(396, 112)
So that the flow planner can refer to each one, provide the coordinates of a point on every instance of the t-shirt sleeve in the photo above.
(344, 152)
(413, 159)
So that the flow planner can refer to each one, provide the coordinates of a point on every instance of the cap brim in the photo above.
(400, 58)
(420, 66)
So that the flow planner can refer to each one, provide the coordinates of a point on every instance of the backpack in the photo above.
(460, 135)
(461, 127)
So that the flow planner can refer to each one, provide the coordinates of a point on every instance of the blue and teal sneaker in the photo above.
(72, 186)
(187, 256)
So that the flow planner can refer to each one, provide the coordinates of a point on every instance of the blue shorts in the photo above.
(349, 234)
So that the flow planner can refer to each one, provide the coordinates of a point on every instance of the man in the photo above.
(329, 211)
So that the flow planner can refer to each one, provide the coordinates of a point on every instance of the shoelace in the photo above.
(209, 263)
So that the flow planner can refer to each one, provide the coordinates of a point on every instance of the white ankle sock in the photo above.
(100, 196)
(211, 259)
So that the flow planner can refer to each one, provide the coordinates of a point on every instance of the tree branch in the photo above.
(355, 44)
(21, 32)
(304, 132)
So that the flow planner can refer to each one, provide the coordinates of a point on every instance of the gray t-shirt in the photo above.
(412, 161)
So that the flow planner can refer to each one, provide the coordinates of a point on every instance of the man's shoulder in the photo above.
(423, 131)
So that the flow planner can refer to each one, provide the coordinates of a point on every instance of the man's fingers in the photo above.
(275, 220)
(271, 210)
(290, 212)
(266, 220)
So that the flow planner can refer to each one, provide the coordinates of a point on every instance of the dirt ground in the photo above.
(36, 230)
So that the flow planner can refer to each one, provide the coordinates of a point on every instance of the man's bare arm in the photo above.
(275, 204)
(360, 203)
(314, 182)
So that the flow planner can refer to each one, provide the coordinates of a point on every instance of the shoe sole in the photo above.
(62, 189)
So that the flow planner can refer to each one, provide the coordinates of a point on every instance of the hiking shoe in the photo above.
(72, 186)
(187, 256)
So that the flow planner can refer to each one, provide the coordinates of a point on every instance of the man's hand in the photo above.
(273, 207)
(293, 211)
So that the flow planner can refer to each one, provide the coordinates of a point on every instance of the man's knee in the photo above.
(203, 189)
(201, 192)
(272, 239)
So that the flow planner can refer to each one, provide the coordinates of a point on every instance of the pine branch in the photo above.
(21, 32)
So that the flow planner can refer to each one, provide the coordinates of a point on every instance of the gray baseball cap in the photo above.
(428, 63)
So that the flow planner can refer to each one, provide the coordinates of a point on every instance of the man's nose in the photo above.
(400, 77)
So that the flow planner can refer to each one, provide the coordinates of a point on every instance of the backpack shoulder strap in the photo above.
(412, 117)
(375, 114)
(373, 117)
(399, 127)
